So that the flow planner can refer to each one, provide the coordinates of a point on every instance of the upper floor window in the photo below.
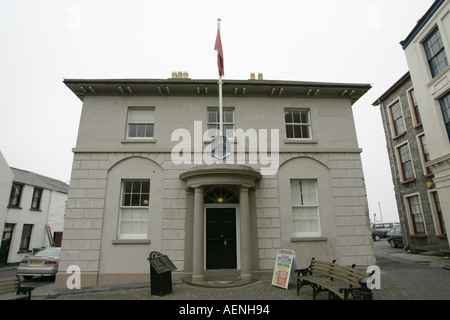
(405, 162)
(36, 201)
(298, 124)
(397, 119)
(445, 108)
(435, 51)
(141, 123)
(214, 122)
(16, 194)
(415, 107)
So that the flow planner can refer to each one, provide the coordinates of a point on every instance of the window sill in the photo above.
(24, 251)
(309, 239)
(131, 241)
(399, 135)
(35, 210)
(437, 77)
(137, 140)
(419, 235)
(300, 141)
(14, 207)
(408, 181)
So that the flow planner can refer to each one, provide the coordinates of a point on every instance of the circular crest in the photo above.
(220, 147)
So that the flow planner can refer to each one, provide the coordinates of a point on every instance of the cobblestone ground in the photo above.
(259, 290)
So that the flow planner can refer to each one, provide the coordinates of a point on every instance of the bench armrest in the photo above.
(22, 289)
(362, 293)
(303, 272)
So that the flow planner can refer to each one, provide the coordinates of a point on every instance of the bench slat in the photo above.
(332, 277)
(9, 288)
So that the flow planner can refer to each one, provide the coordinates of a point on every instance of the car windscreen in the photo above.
(48, 253)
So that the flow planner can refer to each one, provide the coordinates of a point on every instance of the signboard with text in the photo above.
(286, 261)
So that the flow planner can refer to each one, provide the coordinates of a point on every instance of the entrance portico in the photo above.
(238, 184)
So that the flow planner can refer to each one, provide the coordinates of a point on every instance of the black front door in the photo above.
(221, 238)
(6, 242)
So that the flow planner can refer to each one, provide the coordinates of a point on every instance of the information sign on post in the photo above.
(286, 261)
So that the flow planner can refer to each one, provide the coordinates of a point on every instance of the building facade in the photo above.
(32, 216)
(144, 178)
(426, 49)
(417, 199)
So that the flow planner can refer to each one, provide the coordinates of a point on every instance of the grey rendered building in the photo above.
(144, 179)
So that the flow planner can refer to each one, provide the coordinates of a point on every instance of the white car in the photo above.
(43, 263)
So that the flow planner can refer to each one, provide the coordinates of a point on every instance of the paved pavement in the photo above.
(404, 276)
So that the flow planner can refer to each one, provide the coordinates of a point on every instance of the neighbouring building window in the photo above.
(437, 214)
(424, 152)
(445, 108)
(36, 201)
(141, 123)
(415, 211)
(305, 208)
(435, 51)
(214, 122)
(134, 209)
(26, 237)
(397, 119)
(16, 194)
(298, 124)
(405, 162)
(415, 108)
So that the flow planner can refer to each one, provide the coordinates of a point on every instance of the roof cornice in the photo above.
(209, 87)
(421, 23)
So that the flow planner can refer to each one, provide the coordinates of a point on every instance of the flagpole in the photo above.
(220, 94)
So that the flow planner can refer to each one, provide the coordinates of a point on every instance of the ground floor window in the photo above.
(437, 214)
(415, 211)
(134, 209)
(26, 237)
(305, 208)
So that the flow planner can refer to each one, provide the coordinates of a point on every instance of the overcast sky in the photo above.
(42, 42)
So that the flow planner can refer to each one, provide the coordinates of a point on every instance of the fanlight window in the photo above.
(220, 195)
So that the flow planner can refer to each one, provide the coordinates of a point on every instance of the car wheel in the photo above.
(376, 238)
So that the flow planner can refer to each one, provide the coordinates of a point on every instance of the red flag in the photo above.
(218, 48)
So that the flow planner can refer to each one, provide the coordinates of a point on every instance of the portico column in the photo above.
(197, 263)
(246, 265)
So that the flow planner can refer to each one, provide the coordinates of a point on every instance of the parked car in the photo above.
(379, 230)
(43, 263)
(394, 237)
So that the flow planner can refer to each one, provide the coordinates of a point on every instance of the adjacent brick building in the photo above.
(417, 198)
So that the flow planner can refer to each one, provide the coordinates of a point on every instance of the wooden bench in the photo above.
(12, 289)
(341, 282)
